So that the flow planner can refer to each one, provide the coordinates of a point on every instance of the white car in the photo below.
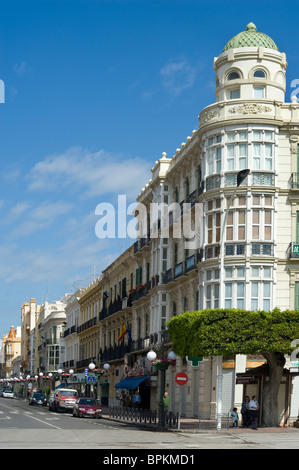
(8, 394)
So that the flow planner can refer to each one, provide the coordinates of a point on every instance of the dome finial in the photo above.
(250, 27)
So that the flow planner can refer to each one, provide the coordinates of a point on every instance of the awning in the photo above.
(130, 382)
(60, 386)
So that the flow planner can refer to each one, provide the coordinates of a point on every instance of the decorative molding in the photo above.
(207, 115)
(250, 108)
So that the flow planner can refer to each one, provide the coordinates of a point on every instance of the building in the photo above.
(246, 252)
(49, 337)
(29, 313)
(11, 350)
(73, 321)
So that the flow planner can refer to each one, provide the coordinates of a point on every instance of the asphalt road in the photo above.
(31, 427)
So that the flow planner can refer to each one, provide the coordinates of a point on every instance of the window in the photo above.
(228, 294)
(242, 156)
(257, 149)
(258, 92)
(213, 156)
(255, 224)
(240, 294)
(259, 74)
(235, 225)
(230, 157)
(266, 296)
(268, 156)
(234, 94)
(254, 295)
(233, 76)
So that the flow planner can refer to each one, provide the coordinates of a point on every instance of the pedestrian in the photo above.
(136, 400)
(245, 412)
(235, 417)
(128, 401)
(166, 401)
(123, 398)
(253, 412)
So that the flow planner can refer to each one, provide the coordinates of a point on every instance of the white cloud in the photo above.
(23, 69)
(178, 75)
(89, 174)
(41, 217)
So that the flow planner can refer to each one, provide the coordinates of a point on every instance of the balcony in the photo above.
(235, 249)
(295, 180)
(262, 249)
(87, 325)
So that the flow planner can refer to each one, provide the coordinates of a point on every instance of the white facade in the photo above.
(244, 261)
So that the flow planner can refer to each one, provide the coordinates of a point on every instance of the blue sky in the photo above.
(95, 91)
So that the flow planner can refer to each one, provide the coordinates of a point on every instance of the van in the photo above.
(64, 399)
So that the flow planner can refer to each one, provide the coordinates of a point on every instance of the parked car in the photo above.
(8, 393)
(87, 407)
(64, 400)
(38, 399)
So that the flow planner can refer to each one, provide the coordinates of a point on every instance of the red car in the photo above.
(87, 407)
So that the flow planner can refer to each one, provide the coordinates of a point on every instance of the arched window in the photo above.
(233, 76)
(259, 74)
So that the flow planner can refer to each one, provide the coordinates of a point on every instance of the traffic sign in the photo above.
(195, 360)
(181, 378)
(90, 380)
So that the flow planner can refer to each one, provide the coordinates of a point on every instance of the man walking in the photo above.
(253, 412)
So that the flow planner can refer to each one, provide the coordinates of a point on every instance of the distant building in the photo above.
(11, 349)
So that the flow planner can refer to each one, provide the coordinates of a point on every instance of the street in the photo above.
(31, 427)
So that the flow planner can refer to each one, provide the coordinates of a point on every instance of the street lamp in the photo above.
(151, 356)
(240, 178)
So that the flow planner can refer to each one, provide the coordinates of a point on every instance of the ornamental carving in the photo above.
(294, 143)
(207, 115)
(250, 108)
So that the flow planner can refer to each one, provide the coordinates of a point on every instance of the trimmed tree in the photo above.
(225, 332)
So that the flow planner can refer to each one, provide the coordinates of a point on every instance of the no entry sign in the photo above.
(181, 378)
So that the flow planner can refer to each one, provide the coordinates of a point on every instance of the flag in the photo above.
(129, 331)
(123, 332)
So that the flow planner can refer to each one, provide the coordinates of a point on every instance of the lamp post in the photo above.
(91, 367)
(240, 178)
(151, 355)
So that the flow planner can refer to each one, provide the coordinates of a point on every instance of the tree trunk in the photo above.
(276, 363)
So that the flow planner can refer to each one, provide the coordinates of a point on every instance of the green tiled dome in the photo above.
(250, 38)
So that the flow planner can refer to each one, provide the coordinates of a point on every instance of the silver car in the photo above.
(8, 394)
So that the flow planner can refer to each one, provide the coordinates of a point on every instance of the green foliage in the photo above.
(226, 332)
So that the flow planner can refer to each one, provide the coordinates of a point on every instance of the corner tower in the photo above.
(250, 67)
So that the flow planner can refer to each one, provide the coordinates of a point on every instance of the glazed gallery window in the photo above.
(214, 154)
(213, 219)
(235, 225)
(235, 294)
(234, 94)
(261, 224)
(236, 150)
(262, 217)
(259, 92)
(262, 158)
(261, 295)
(212, 296)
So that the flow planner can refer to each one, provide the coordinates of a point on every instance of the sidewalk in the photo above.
(193, 425)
